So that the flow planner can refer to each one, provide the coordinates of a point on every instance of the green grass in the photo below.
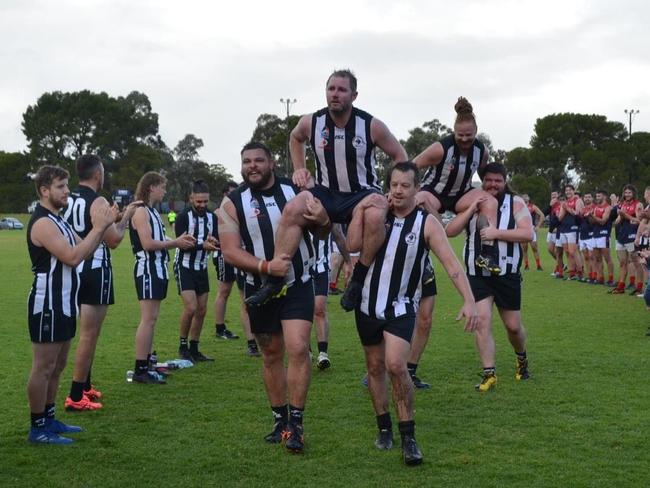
(580, 421)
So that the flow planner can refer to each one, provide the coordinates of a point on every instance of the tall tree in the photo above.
(62, 126)
(188, 167)
(16, 188)
(274, 131)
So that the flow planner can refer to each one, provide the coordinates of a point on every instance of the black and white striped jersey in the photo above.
(395, 276)
(509, 252)
(322, 249)
(56, 285)
(77, 214)
(199, 226)
(153, 263)
(453, 175)
(259, 212)
(345, 157)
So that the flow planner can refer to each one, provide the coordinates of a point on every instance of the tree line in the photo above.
(588, 151)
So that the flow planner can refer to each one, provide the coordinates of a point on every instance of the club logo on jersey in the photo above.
(452, 163)
(324, 137)
(358, 142)
(410, 238)
(255, 208)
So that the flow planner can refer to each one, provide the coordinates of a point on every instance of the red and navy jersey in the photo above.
(627, 230)
(598, 229)
(533, 214)
(586, 227)
(570, 222)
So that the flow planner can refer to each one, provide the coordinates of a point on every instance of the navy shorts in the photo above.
(505, 289)
(149, 287)
(371, 331)
(49, 326)
(191, 280)
(96, 286)
(297, 304)
(446, 202)
(226, 273)
(339, 205)
(321, 283)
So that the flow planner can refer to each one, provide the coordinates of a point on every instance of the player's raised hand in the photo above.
(102, 216)
(185, 241)
(301, 178)
(316, 213)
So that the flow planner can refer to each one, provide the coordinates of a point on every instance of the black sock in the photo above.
(490, 370)
(322, 346)
(359, 273)
(252, 343)
(49, 410)
(220, 328)
(412, 367)
(521, 356)
(183, 344)
(296, 414)
(76, 391)
(38, 420)
(88, 385)
(406, 428)
(281, 413)
(194, 347)
(384, 422)
(141, 366)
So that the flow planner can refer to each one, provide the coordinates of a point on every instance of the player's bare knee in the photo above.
(395, 367)
(294, 210)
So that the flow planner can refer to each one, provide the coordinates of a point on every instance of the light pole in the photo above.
(287, 102)
(631, 113)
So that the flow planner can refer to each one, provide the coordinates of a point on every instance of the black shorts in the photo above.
(321, 283)
(49, 326)
(226, 273)
(241, 279)
(446, 202)
(429, 289)
(191, 280)
(297, 304)
(505, 289)
(339, 205)
(149, 287)
(371, 331)
(96, 287)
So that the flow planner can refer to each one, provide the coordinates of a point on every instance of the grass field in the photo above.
(582, 420)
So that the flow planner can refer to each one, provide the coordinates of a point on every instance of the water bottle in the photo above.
(129, 376)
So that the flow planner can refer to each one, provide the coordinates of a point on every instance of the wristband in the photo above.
(265, 267)
(259, 266)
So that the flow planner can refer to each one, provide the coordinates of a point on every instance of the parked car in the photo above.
(11, 223)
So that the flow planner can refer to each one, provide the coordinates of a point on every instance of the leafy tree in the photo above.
(16, 189)
(187, 167)
(537, 188)
(62, 126)
(273, 131)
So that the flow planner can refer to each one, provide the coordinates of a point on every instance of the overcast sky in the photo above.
(210, 68)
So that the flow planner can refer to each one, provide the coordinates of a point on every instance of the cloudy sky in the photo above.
(210, 68)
